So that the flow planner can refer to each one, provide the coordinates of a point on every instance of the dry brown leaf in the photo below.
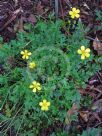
(72, 110)
(85, 5)
(32, 19)
(97, 116)
(70, 113)
(45, 2)
(82, 91)
(84, 115)
(97, 46)
(97, 105)
(39, 8)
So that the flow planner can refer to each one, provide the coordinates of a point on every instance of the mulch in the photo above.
(15, 13)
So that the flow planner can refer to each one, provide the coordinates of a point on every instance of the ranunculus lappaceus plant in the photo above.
(42, 73)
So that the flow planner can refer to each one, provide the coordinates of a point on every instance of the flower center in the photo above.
(45, 104)
(74, 13)
(83, 52)
(26, 54)
(35, 86)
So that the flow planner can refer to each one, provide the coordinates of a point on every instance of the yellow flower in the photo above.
(74, 13)
(44, 105)
(35, 86)
(25, 54)
(32, 65)
(85, 53)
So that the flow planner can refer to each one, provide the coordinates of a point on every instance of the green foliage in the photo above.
(59, 134)
(99, 19)
(99, 15)
(91, 132)
(60, 71)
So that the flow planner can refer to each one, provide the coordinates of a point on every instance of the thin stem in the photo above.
(12, 121)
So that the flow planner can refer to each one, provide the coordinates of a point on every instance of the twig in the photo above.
(98, 124)
(90, 38)
(20, 124)
(68, 3)
(56, 8)
(61, 9)
(95, 89)
(12, 121)
(98, 75)
(11, 19)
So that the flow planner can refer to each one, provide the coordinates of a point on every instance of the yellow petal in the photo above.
(34, 90)
(31, 65)
(23, 57)
(40, 103)
(82, 48)
(22, 52)
(44, 101)
(77, 15)
(73, 9)
(34, 82)
(79, 51)
(38, 84)
(39, 88)
(87, 55)
(31, 86)
(70, 12)
(42, 108)
(48, 103)
(82, 57)
(46, 108)
(25, 51)
(72, 16)
(29, 53)
(87, 50)
(26, 57)
(77, 11)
